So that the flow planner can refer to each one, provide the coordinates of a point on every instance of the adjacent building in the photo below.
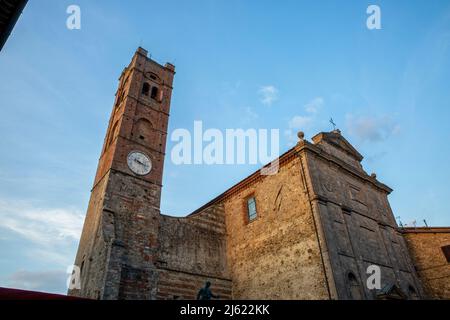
(430, 251)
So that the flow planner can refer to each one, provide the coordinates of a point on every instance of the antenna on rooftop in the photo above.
(425, 221)
(399, 221)
(411, 224)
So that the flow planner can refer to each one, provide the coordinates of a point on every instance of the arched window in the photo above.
(145, 89)
(446, 251)
(143, 130)
(412, 293)
(353, 287)
(154, 94)
(82, 267)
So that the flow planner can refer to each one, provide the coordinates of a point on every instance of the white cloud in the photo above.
(42, 226)
(45, 281)
(45, 236)
(302, 123)
(251, 115)
(231, 88)
(373, 158)
(268, 95)
(297, 123)
(371, 128)
(62, 254)
(314, 105)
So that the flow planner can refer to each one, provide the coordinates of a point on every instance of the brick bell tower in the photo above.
(119, 242)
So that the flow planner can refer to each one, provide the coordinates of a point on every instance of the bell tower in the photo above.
(119, 242)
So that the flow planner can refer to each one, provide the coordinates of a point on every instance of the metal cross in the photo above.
(333, 124)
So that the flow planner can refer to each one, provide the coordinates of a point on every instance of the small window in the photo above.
(251, 209)
(82, 267)
(353, 287)
(145, 89)
(412, 293)
(446, 251)
(154, 94)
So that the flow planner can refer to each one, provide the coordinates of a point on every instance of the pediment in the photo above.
(337, 140)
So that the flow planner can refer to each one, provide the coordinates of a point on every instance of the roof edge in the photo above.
(284, 158)
(424, 230)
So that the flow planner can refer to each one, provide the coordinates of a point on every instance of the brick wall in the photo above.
(277, 255)
(193, 251)
(182, 285)
(431, 264)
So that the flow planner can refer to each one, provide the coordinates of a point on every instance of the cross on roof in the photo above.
(333, 124)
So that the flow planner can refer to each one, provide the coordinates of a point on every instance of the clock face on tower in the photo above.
(139, 163)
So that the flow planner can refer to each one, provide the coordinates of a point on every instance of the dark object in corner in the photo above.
(10, 11)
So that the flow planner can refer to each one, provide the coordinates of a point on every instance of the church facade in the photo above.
(311, 231)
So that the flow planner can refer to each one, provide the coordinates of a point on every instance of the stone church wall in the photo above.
(277, 255)
(319, 220)
(359, 228)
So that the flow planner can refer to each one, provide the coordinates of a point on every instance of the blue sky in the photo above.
(287, 65)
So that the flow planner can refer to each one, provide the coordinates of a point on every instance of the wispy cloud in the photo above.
(303, 122)
(373, 158)
(371, 128)
(46, 236)
(268, 95)
(314, 105)
(299, 122)
(46, 281)
(42, 226)
(229, 89)
(250, 114)
(296, 124)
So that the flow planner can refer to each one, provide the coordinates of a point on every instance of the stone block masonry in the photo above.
(311, 232)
